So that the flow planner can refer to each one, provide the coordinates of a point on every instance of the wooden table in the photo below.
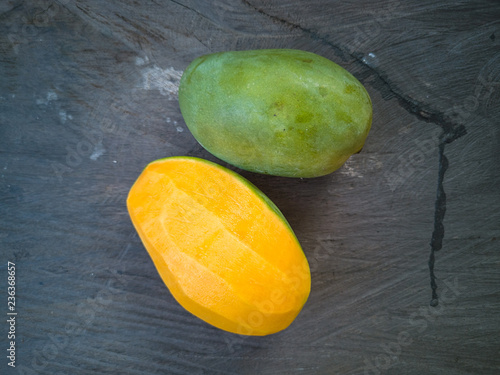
(88, 96)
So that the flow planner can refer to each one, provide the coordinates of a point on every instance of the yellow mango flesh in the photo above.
(223, 249)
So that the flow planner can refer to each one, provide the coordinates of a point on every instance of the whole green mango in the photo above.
(281, 112)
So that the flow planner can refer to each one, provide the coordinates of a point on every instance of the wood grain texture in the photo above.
(88, 98)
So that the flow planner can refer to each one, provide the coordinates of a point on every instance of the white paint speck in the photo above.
(98, 151)
(62, 115)
(370, 59)
(70, 117)
(165, 80)
(168, 119)
(348, 170)
(51, 95)
(179, 129)
(114, 161)
(139, 61)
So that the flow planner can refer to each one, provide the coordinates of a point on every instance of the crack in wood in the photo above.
(195, 11)
(448, 136)
(338, 51)
(450, 130)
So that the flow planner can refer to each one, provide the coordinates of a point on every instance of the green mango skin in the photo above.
(281, 112)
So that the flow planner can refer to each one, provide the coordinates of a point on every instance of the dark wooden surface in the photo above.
(88, 98)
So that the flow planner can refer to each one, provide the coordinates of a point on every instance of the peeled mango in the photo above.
(222, 247)
(281, 112)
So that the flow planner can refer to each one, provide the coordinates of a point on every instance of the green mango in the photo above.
(281, 112)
